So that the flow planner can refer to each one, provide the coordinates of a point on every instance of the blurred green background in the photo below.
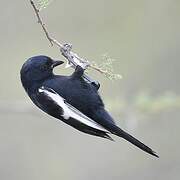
(144, 38)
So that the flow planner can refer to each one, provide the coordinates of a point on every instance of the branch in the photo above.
(40, 21)
(66, 50)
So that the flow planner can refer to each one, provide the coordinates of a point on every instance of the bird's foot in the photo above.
(84, 65)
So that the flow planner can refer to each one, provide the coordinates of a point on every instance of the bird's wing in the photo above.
(68, 111)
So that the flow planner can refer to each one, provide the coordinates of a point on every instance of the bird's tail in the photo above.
(119, 132)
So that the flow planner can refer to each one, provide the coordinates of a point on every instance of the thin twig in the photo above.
(41, 22)
(65, 49)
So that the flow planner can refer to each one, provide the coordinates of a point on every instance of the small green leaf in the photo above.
(107, 66)
(42, 4)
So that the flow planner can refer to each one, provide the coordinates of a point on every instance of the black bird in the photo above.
(71, 99)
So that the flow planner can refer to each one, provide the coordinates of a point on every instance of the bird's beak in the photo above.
(56, 63)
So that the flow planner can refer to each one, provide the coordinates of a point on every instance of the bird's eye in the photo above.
(48, 63)
(44, 67)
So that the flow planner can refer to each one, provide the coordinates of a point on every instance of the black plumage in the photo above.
(71, 99)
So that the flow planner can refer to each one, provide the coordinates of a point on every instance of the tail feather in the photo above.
(103, 117)
(119, 132)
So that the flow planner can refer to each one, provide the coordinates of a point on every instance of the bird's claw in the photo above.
(67, 47)
(84, 65)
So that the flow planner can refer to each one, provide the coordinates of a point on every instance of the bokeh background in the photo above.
(144, 38)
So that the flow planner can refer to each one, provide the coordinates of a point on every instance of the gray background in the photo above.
(144, 38)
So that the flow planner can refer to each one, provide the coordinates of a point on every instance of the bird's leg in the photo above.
(79, 71)
(80, 68)
(78, 63)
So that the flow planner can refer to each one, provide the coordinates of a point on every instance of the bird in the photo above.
(71, 99)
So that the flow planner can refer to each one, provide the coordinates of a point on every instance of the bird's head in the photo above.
(38, 68)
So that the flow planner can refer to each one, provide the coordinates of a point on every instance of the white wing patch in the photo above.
(58, 100)
(70, 111)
